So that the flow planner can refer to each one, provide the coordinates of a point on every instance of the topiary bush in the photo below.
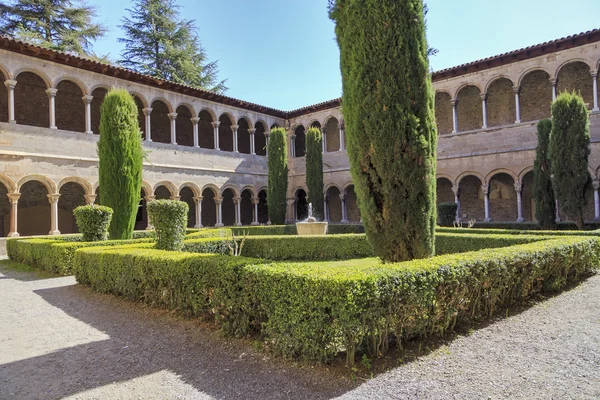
(314, 171)
(278, 176)
(93, 222)
(169, 218)
(543, 192)
(447, 213)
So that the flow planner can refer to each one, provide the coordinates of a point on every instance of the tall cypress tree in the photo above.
(63, 25)
(389, 113)
(161, 44)
(314, 171)
(543, 192)
(569, 150)
(278, 176)
(121, 157)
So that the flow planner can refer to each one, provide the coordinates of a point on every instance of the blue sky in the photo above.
(282, 53)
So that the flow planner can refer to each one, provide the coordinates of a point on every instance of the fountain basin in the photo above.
(311, 228)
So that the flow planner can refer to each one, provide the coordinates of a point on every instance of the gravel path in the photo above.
(61, 340)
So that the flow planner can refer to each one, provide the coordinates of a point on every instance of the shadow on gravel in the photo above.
(21, 272)
(145, 340)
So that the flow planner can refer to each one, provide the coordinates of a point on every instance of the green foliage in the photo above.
(278, 176)
(529, 232)
(569, 151)
(314, 171)
(121, 157)
(447, 213)
(522, 226)
(543, 192)
(389, 113)
(169, 218)
(93, 222)
(54, 24)
(161, 44)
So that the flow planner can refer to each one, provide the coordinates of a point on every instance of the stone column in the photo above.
(87, 100)
(486, 202)
(234, 129)
(51, 97)
(219, 203)
(342, 141)
(293, 145)
(484, 110)
(173, 119)
(456, 191)
(10, 85)
(148, 200)
(195, 121)
(216, 134)
(324, 139)
(198, 204)
(519, 190)
(175, 197)
(596, 184)
(553, 82)
(267, 143)
(237, 201)
(255, 214)
(344, 215)
(14, 211)
(454, 116)
(252, 144)
(595, 86)
(516, 90)
(90, 199)
(147, 111)
(557, 211)
(53, 199)
(325, 208)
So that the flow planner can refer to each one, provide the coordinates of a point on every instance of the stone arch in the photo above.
(333, 203)
(141, 98)
(332, 134)
(209, 207)
(69, 106)
(535, 95)
(260, 140)
(147, 189)
(469, 108)
(10, 185)
(467, 173)
(300, 141)
(243, 135)
(444, 191)
(352, 210)
(501, 107)
(160, 122)
(503, 196)
(274, 126)
(98, 95)
(471, 196)
(497, 171)
(212, 187)
(206, 136)
(31, 99)
(47, 182)
(6, 72)
(3, 100)
(187, 194)
(87, 186)
(192, 186)
(263, 208)
(247, 206)
(226, 132)
(40, 74)
(524, 172)
(184, 127)
(314, 124)
(443, 112)
(228, 206)
(574, 75)
(34, 206)
(72, 195)
(300, 204)
(139, 103)
(232, 187)
(210, 112)
(171, 189)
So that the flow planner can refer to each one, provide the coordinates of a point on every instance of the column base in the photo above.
(237, 224)
(255, 223)
(487, 220)
(344, 221)
(174, 143)
(13, 234)
(54, 233)
(199, 226)
(148, 140)
(150, 228)
(89, 132)
(268, 222)
(597, 219)
(557, 220)
(53, 127)
(13, 121)
(520, 219)
(219, 225)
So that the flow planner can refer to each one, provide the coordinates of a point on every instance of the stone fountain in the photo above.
(310, 226)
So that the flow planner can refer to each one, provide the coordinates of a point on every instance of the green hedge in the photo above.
(315, 310)
(93, 221)
(169, 218)
(447, 213)
(278, 230)
(564, 226)
(482, 231)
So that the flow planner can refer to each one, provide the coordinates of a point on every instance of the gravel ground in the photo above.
(61, 340)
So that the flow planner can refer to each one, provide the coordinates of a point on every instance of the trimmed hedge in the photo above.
(447, 213)
(332, 229)
(169, 218)
(93, 221)
(484, 231)
(565, 226)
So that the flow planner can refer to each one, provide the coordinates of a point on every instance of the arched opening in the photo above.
(141, 117)
(501, 107)
(246, 207)
(334, 204)
(206, 136)
(575, 76)
(160, 123)
(141, 218)
(162, 193)
(443, 113)
(184, 128)
(187, 195)
(209, 208)
(98, 97)
(243, 136)
(301, 205)
(471, 199)
(225, 133)
(34, 209)
(352, 210)
(228, 207)
(69, 107)
(535, 96)
(527, 197)
(31, 101)
(469, 108)
(332, 135)
(3, 102)
(300, 142)
(263, 209)
(4, 211)
(72, 195)
(444, 193)
(503, 198)
(260, 140)
(97, 198)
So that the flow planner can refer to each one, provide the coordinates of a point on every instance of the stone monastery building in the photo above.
(209, 150)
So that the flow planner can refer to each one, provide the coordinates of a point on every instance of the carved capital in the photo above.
(596, 184)
(218, 200)
(216, 124)
(594, 73)
(518, 186)
(195, 120)
(172, 116)
(53, 198)
(198, 199)
(486, 189)
(51, 92)
(252, 131)
(456, 190)
(10, 84)
(255, 201)
(87, 99)
(236, 200)
(234, 127)
(483, 96)
(553, 81)
(516, 89)
(454, 103)
(90, 198)
(14, 197)
(147, 111)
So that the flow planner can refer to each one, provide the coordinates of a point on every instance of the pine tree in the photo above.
(569, 150)
(278, 176)
(161, 44)
(314, 171)
(543, 192)
(121, 157)
(63, 25)
(389, 113)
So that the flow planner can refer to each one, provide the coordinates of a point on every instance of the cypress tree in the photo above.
(389, 112)
(314, 171)
(278, 176)
(121, 157)
(543, 192)
(569, 151)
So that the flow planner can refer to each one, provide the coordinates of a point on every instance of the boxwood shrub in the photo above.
(93, 221)
(169, 218)
(447, 213)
